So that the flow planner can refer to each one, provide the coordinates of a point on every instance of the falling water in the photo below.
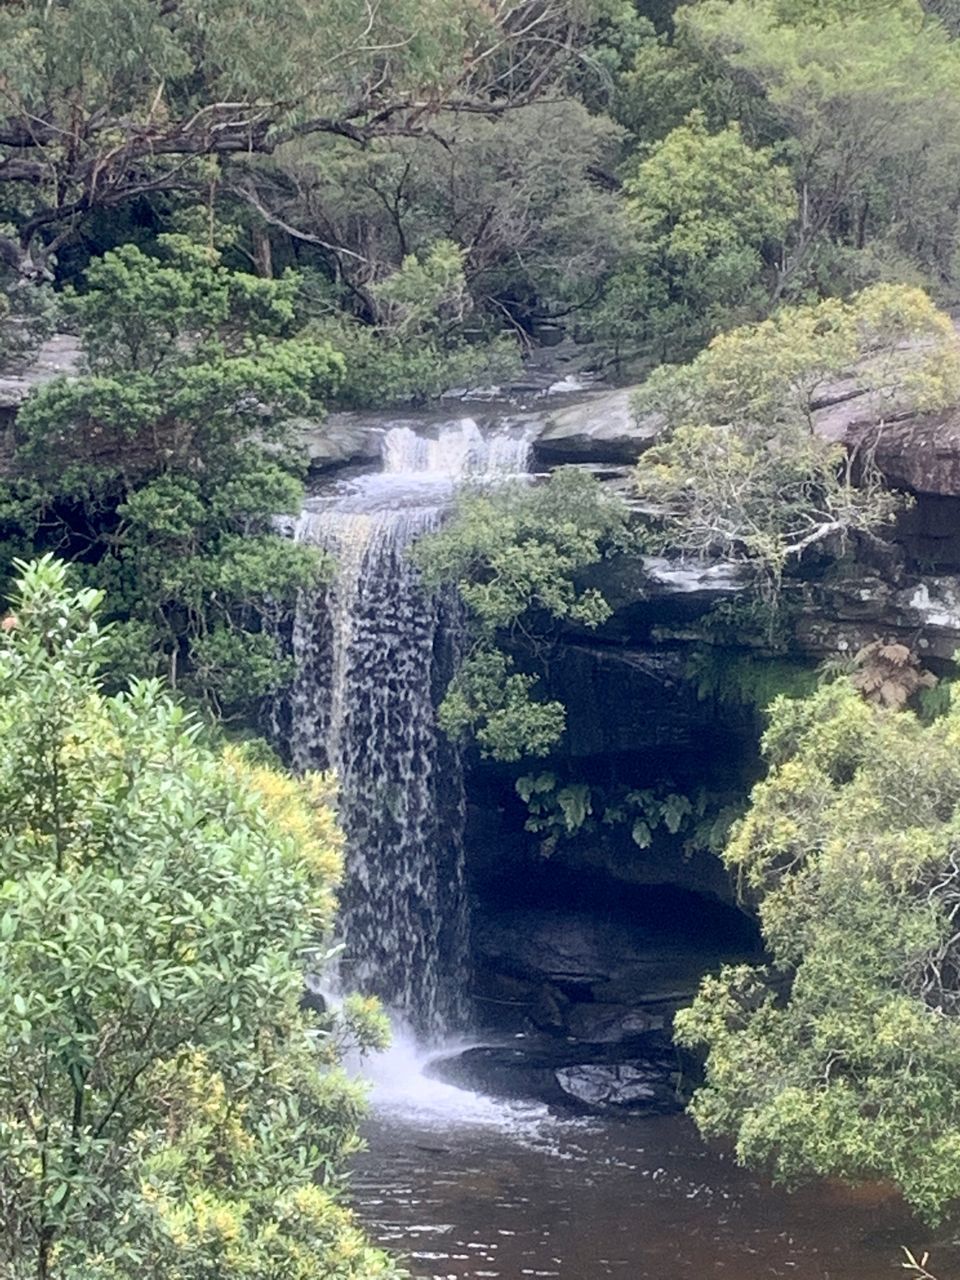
(373, 653)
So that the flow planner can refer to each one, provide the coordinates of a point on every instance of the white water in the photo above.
(373, 651)
(403, 1087)
(457, 453)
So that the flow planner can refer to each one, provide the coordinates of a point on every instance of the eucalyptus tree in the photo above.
(107, 100)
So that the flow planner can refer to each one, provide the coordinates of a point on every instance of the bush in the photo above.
(841, 1057)
(166, 1108)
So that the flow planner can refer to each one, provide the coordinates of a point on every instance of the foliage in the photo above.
(867, 101)
(514, 555)
(555, 812)
(528, 197)
(842, 1056)
(748, 680)
(561, 812)
(742, 472)
(889, 344)
(710, 214)
(160, 467)
(28, 315)
(490, 699)
(165, 1105)
(890, 674)
(417, 350)
(107, 101)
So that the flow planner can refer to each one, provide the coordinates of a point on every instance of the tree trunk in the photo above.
(262, 252)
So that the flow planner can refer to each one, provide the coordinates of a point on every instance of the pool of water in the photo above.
(466, 1188)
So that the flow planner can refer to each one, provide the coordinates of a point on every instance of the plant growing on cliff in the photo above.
(561, 810)
(516, 555)
(841, 1057)
(165, 1105)
(742, 473)
(159, 468)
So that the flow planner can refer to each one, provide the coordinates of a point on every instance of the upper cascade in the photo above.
(459, 451)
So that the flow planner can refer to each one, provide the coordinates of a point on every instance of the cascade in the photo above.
(373, 652)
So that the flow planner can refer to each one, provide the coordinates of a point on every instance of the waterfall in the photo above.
(373, 653)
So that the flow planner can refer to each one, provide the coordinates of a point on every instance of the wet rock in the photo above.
(613, 1023)
(624, 1085)
(340, 439)
(636, 699)
(564, 1074)
(845, 615)
(312, 999)
(601, 428)
(562, 947)
(550, 1009)
(600, 959)
(520, 1071)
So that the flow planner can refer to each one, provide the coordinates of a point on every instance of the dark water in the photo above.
(639, 1200)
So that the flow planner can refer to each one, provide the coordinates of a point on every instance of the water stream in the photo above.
(639, 1199)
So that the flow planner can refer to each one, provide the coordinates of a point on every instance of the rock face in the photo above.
(587, 990)
(600, 429)
(595, 959)
(921, 454)
(339, 440)
(59, 355)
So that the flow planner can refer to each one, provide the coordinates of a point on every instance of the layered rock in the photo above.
(601, 428)
(587, 991)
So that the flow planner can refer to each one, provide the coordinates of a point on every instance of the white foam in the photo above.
(404, 1090)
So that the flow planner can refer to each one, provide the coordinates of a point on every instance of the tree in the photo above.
(741, 472)
(165, 1105)
(516, 557)
(160, 467)
(867, 102)
(841, 1056)
(109, 100)
(529, 198)
(417, 349)
(710, 214)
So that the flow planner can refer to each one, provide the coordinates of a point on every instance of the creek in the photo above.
(521, 1194)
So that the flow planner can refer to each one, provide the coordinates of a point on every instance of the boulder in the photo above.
(633, 1085)
(340, 439)
(569, 1075)
(600, 428)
